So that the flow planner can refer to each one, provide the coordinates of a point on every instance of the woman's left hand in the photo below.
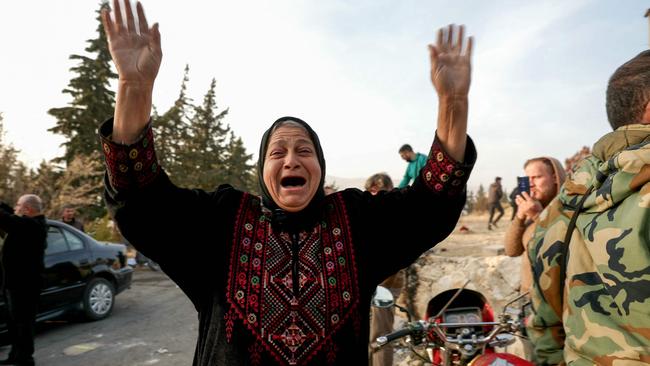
(451, 74)
(450, 62)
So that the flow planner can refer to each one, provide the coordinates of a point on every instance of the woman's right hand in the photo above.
(137, 55)
(136, 52)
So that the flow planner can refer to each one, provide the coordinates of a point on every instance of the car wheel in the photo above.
(98, 299)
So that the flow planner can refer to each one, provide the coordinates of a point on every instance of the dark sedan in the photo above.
(80, 274)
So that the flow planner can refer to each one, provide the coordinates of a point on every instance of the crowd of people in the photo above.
(292, 271)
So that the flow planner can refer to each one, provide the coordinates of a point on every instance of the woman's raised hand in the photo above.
(136, 53)
(451, 75)
(451, 62)
(135, 49)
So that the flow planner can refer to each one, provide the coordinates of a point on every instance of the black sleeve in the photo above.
(186, 231)
(4, 207)
(9, 221)
(398, 226)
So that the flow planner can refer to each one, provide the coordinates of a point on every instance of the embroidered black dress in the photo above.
(266, 296)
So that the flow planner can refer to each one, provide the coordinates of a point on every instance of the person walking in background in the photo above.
(546, 175)
(69, 217)
(495, 193)
(416, 161)
(22, 263)
(382, 319)
(590, 261)
(513, 201)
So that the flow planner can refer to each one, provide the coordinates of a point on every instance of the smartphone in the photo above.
(523, 183)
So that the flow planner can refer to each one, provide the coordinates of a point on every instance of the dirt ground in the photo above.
(478, 240)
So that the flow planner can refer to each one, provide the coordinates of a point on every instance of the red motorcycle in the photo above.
(460, 329)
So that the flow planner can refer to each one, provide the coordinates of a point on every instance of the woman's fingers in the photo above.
(470, 44)
(130, 20)
(155, 34)
(452, 38)
(117, 13)
(459, 40)
(142, 20)
(108, 24)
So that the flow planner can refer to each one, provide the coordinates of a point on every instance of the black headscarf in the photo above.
(307, 217)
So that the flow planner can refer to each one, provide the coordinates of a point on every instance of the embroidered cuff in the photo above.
(129, 166)
(443, 174)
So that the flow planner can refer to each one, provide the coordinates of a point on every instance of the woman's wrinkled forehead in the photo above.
(285, 129)
(284, 134)
(289, 124)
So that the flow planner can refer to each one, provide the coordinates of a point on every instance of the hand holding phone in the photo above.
(523, 183)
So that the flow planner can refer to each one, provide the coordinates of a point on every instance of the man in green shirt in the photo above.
(415, 162)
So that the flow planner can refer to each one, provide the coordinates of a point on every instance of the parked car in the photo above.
(81, 274)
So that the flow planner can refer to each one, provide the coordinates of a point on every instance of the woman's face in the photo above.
(291, 170)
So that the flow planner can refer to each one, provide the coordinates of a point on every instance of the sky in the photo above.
(357, 71)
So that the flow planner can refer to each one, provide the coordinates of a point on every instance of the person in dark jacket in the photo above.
(69, 216)
(285, 278)
(513, 201)
(495, 192)
(22, 262)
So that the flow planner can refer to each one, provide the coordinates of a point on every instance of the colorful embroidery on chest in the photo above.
(260, 284)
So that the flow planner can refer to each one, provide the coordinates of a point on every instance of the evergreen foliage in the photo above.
(92, 98)
(194, 144)
(171, 130)
(481, 203)
(14, 176)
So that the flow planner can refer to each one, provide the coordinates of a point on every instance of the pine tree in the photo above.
(197, 148)
(92, 99)
(481, 204)
(171, 130)
(92, 102)
(22, 178)
(14, 175)
(470, 202)
(45, 180)
(204, 153)
(237, 170)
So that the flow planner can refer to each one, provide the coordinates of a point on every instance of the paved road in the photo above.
(153, 323)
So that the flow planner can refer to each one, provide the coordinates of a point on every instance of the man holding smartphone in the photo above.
(545, 175)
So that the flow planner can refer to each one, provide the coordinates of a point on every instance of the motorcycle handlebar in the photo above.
(408, 330)
(419, 326)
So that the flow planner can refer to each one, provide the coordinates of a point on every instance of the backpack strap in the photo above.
(567, 242)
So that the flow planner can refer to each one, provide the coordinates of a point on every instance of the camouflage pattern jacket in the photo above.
(603, 316)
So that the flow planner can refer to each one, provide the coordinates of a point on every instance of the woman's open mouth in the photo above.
(292, 182)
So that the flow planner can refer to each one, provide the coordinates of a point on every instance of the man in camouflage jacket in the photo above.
(598, 312)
